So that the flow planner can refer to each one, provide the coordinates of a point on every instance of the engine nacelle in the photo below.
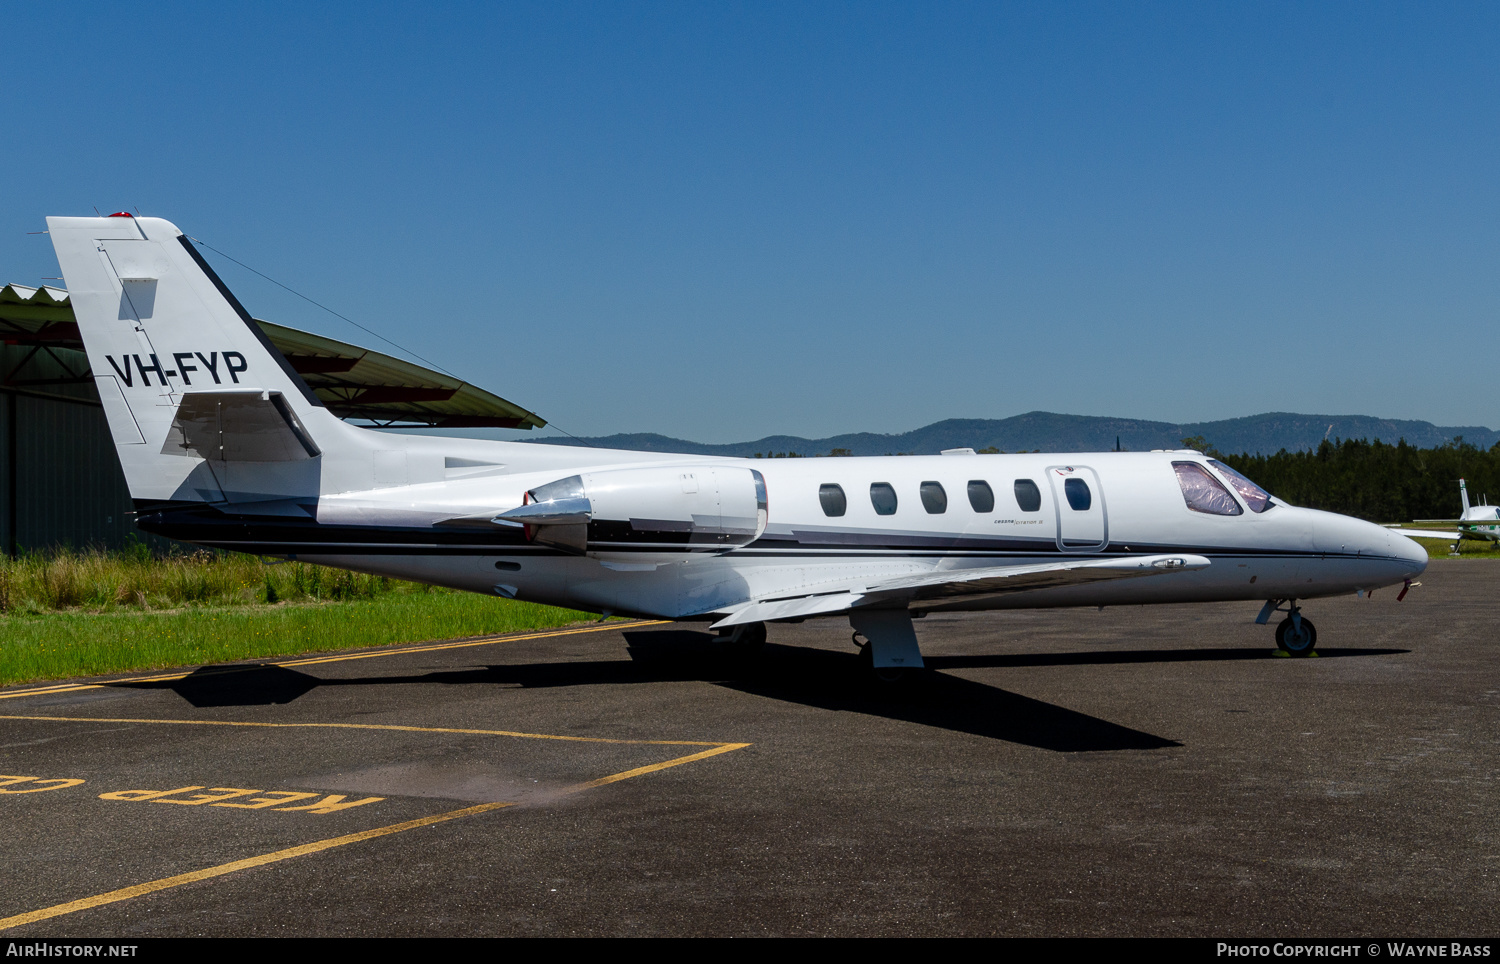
(701, 507)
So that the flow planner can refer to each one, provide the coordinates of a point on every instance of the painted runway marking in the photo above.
(340, 657)
(9, 784)
(331, 803)
(151, 887)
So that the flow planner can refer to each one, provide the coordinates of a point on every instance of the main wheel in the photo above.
(745, 640)
(1296, 643)
(887, 677)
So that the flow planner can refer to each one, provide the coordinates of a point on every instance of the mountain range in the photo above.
(1050, 432)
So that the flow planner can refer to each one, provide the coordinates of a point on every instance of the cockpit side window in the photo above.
(1203, 492)
(1258, 499)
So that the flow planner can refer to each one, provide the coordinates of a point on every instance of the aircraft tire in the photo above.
(744, 640)
(887, 678)
(1292, 642)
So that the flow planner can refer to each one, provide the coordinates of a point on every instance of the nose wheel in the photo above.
(1296, 640)
(1296, 636)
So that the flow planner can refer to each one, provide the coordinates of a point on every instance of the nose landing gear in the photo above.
(1296, 640)
(1296, 635)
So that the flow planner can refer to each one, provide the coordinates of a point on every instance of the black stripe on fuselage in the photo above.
(211, 526)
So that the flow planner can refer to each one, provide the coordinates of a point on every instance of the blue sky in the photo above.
(722, 221)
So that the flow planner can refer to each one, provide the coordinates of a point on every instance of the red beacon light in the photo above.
(122, 214)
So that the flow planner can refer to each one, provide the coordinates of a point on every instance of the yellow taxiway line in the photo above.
(151, 887)
(372, 726)
(340, 657)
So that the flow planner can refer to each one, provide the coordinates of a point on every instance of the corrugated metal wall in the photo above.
(60, 482)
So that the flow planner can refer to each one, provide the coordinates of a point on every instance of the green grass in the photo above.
(63, 645)
(100, 581)
(66, 613)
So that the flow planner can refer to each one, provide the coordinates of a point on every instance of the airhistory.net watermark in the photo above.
(49, 949)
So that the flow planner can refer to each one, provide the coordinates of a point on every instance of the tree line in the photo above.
(1373, 480)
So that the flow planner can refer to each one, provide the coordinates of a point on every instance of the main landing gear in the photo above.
(743, 640)
(1296, 635)
(890, 648)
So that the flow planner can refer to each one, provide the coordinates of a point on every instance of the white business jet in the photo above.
(224, 445)
(1480, 523)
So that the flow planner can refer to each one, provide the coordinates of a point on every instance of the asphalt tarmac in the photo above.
(1130, 771)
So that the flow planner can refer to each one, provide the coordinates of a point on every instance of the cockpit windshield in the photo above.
(1203, 492)
(1258, 499)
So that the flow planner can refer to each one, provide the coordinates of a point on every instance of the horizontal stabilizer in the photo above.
(238, 427)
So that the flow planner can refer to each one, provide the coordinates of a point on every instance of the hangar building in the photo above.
(60, 482)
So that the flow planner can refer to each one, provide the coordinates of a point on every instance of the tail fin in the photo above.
(1463, 494)
(189, 382)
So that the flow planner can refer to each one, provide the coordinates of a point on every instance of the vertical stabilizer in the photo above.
(1463, 495)
(172, 350)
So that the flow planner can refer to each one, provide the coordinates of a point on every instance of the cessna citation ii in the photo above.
(224, 445)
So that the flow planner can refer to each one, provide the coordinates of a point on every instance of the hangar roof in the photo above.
(353, 382)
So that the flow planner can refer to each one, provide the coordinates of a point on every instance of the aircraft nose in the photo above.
(1410, 551)
(1338, 533)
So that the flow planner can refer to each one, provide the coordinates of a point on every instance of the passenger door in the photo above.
(1082, 521)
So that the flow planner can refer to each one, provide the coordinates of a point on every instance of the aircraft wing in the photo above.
(946, 584)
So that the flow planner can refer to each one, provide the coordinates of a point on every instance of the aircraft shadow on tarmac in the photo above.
(235, 684)
(792, 674)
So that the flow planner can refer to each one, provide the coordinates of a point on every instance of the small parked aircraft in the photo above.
(1479, 523)
(224, 445)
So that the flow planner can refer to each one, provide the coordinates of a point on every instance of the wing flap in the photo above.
(996, 580)
(771, 610)
(991, 580)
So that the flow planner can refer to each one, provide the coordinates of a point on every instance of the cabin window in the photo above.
(1203, 492)
(981, 496)
(883, 498)
(934, 499)
(1028, 496)
(832, 498)
(1258, 499)
(1079, 496)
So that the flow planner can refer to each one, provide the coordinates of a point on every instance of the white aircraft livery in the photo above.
(224, 445)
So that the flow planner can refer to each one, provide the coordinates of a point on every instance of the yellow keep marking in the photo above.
(311, 660)
(7, 784)
(125, 893)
